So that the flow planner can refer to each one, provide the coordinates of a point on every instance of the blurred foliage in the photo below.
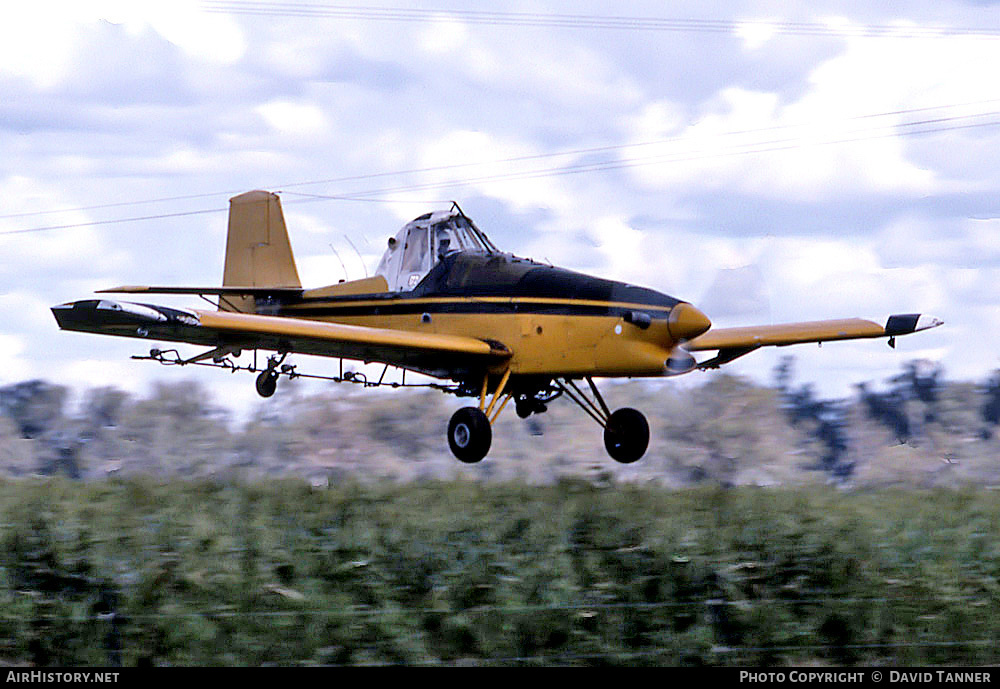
(916, 429)
(140, 572)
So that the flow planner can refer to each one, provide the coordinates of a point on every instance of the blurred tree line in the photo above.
(917, 428)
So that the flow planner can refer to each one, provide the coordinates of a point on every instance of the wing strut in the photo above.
(725, 356)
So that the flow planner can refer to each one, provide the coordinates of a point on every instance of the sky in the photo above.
(769, 162)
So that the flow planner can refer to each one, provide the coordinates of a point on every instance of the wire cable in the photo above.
(776, 145)
(584, 21)
(500, 161)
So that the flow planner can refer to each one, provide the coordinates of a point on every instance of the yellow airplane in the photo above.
(447, 303)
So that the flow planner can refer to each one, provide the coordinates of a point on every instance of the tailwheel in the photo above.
(626, 435)
(267, 382)
(470, 434)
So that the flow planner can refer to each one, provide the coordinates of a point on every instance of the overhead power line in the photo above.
(587, 21)
(680, 157)
(115, 221)
(500, 161)
(916, 127)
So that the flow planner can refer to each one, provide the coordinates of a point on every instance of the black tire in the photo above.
(626, 436)
(267, 383)
(469, 434)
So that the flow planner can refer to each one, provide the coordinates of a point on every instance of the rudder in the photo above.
(258, 253)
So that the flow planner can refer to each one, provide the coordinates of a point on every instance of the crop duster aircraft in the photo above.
(447, 303)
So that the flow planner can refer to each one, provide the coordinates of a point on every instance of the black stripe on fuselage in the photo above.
(474, 283)
(402, 307)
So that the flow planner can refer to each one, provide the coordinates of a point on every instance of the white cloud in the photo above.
(203, 35)
(447, 35)
(844, 278)
(753, 143)
(890, 73)
(967, 243)
(38, 42)
(294, 118)
(44, 41)
(818, 146)
(500, 180)
(620, 246)
(756, 33)
(47, 250)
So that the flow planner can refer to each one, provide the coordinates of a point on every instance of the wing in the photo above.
(444, 356)
(732, 343)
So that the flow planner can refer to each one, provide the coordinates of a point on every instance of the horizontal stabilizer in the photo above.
(222, 291)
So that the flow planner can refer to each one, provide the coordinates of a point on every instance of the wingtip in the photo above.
(123, 289)
(926, 322)
(904, 324)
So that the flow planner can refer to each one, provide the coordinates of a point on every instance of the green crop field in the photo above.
(764, 527)
(226, 573)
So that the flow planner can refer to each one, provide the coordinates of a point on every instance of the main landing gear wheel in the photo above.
(267, 382)
(626, 436)
(469, 434)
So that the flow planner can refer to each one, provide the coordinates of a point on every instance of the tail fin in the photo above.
(258, 253)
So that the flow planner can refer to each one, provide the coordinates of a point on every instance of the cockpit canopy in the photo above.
(423, 242)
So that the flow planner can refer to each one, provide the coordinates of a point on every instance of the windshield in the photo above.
(423, 242)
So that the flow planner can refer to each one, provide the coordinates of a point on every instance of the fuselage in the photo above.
(555, 322)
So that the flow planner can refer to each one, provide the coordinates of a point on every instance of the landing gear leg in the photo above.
(470, 431)
(626, 431)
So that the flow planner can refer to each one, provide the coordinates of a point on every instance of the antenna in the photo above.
(358, 253)
(335, 253)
